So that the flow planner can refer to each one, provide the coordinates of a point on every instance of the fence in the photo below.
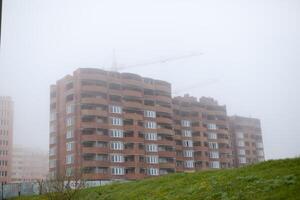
(34, 188)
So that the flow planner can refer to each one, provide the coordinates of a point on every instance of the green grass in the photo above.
(272, 180)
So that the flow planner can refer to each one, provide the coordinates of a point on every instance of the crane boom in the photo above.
(157, 61)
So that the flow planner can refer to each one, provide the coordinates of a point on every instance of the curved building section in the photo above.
(110, 125)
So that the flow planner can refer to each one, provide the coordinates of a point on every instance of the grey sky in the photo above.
(251, 51)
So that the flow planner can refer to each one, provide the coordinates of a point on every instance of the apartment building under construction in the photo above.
(111, 125)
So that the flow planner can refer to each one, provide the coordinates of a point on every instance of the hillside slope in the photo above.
(278, 179)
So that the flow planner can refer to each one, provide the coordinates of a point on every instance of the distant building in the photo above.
(113, 125)
(6, 137)
(247, 140)
(29, 164)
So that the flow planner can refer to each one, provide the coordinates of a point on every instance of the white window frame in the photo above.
(153, 171)
(241, 152)
(70, 146)
(69, 159)
(240, 135)
(187, 143)
(150, 136)
(151, 147)
(150, 124)
(213, 145)
(211, 126)
(70, 133)
(242, 160)
(117, 145)
(116, 121)
(69, 121)
(117, 158)
(187, 133)
(212, 136)
(118, 171)
(116, 133)
(150, 114)
(115, 109)
(214, 154)
(52, 151)
(214, 164)
(189, 164)
(152, 159)
(188, 153)
(240, 143)
(70, 108)
(185, 123)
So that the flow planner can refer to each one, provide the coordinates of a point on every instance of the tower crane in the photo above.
(116, 67)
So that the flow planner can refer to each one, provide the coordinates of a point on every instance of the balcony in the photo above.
(94, 88)
(96, 150)
(93, 76)
(132, 104)
(93, 100)
(164, 98)
(164, 120)
(133, 93)
(94, 112)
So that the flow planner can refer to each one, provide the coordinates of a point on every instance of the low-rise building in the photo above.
(29, 164)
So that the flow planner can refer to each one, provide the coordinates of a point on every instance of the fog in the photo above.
(250, 58)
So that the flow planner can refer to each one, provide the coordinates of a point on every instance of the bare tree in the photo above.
(65, 187)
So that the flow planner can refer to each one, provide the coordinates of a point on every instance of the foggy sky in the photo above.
(250, 63)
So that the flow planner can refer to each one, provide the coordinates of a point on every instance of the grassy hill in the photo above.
(278, 179)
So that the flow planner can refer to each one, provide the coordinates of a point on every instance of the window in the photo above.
(150, 124)
(259, 145)
(116, 145)
(52, 116)
(188, 153)
(213, 145)
(117, 158)
(261, 159)
(52, 127)
(52, 163)
(260, 153)
(148, 113)
(187, 143)
(70, 133)
(240, 135)
(185, 123)
(151, 147)
(70, 146)
(70, 121)
(69, 171)
(152, 171)
(117, 133)
(69, 159)
(70, 108)
(150, 136)
(214, 164)
(187, 133)
(52, 151)
(242, 160)
(212, 136)
(214, 154)
(117, 170)
(212, 126)
(115, 109)
(53, 139)
(152, 159)
(241, 143)
(189, 164)
(117, 121)
(242, 152)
